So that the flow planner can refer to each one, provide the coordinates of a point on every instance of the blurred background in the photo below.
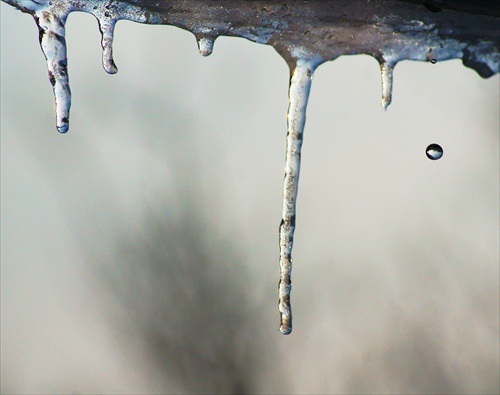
(139, 252)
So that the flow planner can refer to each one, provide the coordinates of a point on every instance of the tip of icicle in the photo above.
(386, 101)
(111, 69)
(63, 128)
(285, 330)
(108, 63)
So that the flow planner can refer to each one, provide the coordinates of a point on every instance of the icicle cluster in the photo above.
(305, 34)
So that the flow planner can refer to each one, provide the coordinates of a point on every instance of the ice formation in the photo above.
(305, 34)
(300, 85)
(51, 35)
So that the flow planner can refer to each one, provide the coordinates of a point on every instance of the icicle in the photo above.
(205, 45)
(386, 71)
(300, 85)
(107, 27)
(53, 43)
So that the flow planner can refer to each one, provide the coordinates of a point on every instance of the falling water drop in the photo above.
(300, 85)
(51, 29)
(205, 45)
(107, 27)
(386, 73)
(434, 152)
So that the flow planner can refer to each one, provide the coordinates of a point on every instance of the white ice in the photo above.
(300, 85)
(386, 72)
(53, 44)
(205, 45)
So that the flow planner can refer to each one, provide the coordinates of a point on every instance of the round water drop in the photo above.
(433, 61)
(107, 27)
(434, 152)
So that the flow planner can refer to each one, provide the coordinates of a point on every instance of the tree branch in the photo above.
(389, 30)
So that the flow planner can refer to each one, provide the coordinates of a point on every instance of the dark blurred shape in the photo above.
(482, 7)
(188, 295)
(434, 5)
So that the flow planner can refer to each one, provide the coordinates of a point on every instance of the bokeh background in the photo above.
(139, 252)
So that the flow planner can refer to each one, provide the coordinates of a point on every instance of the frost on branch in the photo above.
(306, 34)
(389, 30)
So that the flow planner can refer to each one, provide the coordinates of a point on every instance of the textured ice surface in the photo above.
(386, 70)
(205, 45)
(300, 85)
(51, 35)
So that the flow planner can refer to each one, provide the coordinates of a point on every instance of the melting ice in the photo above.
(205, 45)
(300, 85)
(50, 17)
(52, 41)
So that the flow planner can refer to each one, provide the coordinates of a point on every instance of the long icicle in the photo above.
(53, 43)
(300, 85)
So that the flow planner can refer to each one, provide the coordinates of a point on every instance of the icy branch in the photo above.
(389, 30)
(385, 29)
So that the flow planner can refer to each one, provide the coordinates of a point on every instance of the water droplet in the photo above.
(53, 44)
(434, 151)
(431, 56)
(386, 73)
(300, 85)
(205, 45)
(107, 27)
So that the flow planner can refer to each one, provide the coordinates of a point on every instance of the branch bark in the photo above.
(389, 30)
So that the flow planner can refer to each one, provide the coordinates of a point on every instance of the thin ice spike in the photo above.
(386, 72)
(300, 85)
(53, 43)
(107, 27)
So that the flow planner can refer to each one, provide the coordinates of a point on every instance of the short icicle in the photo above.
(386, 71)
(53, 43)
(107, 27)
(205, 45)
(300, 85)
